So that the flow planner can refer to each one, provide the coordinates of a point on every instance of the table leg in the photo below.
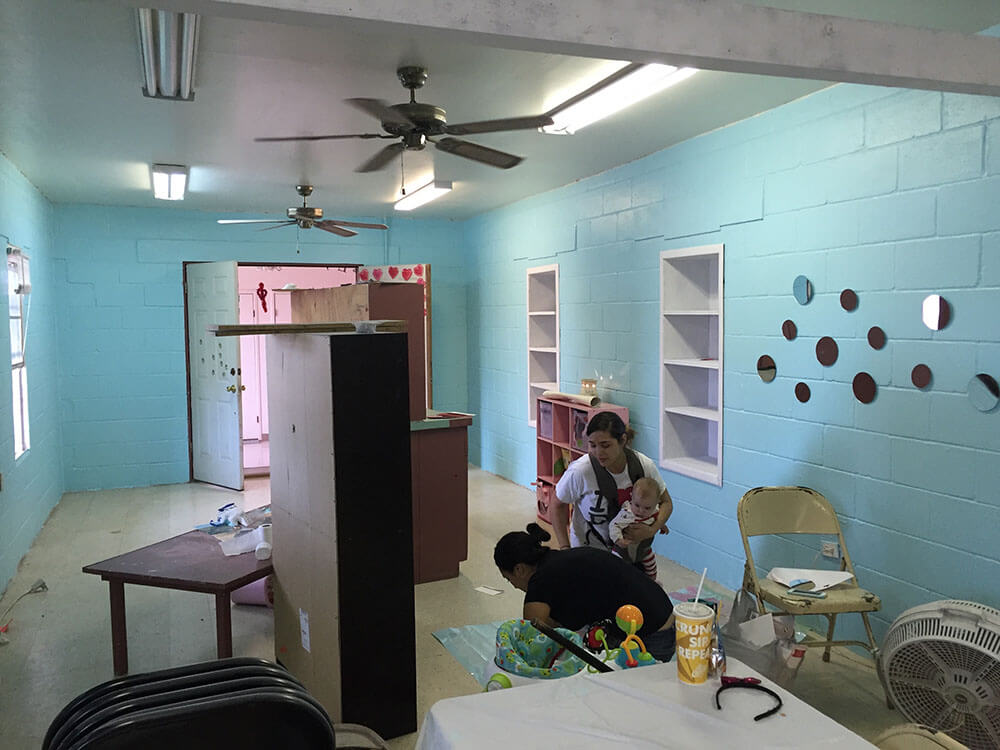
(224, 625)
(119, 636)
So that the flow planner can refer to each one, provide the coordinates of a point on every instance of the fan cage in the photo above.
(941, 663)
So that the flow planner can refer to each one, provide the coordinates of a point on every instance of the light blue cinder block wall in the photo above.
(33, 484)
(122, 378)
(891, 193)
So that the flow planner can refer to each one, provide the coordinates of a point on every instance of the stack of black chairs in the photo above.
(228, 703)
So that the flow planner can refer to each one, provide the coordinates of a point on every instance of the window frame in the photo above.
(18, 285)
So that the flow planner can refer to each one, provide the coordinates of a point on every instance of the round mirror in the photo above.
(876, 337)
(921, 376)
(788, 330)
(802, 392)
(766, 368)
(849, 300)
(984, 393)
(936, 312)
(826, 351)
(802, 288)
(864, 387)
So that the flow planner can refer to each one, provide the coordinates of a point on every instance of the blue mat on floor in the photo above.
(473, 646)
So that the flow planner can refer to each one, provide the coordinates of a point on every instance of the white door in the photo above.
(214, 365)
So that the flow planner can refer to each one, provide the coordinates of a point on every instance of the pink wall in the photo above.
(304, 277)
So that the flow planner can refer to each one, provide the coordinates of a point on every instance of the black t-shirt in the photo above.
(584, 585)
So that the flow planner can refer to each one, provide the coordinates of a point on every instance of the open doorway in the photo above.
(264, 297)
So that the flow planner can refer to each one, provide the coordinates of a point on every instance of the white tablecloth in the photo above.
(639, 708)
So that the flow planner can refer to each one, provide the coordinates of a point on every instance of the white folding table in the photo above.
(644, 707)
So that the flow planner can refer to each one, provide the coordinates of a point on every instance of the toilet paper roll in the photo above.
(262, 551)
(265, 532)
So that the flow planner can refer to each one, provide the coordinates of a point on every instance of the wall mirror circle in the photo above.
(766, 368)
(921, 376)
(826, 351)
(864, 387)
(849, 300)
(876, 337)
(789, 330)
(802, 392)
(984, 393)
(936, 312)
(802, 289)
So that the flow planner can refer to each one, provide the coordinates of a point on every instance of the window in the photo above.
(18, 286)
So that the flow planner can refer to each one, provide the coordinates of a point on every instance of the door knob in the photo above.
(232, 388)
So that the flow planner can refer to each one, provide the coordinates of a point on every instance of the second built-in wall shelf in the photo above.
(543, 334)
(691, 333)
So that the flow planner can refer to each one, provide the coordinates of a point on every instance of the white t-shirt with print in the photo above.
(578, 486)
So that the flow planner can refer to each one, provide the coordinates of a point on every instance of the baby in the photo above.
(642, 508)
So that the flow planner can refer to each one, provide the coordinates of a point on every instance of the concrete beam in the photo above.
(708, 34)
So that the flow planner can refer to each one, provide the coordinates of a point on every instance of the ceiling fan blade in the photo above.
(382, 158)
(322, 137)
(474, 151)
(496, 126)
(282, 224)
(359, 224)
(329, 226)
(382, 111)
(251, 221)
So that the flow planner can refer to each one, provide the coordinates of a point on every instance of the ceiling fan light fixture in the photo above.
(424, 194)
(167, 44)
(622, 89)
(169, 181)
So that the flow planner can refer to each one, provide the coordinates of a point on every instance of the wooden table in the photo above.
(190, 562)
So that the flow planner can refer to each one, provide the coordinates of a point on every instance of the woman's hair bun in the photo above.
(537, 532)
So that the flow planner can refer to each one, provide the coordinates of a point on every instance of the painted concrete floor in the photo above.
(60, 640)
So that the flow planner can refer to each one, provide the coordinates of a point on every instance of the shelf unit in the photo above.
(691, 335)
(543, 333)
(561, 439)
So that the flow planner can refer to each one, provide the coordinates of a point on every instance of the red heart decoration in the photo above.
(393, 271)
(407, 273)
(420, 281)
(418, 270)
(377, 274)
(363, 274)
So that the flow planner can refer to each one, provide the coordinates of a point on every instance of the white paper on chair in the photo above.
(821, 579)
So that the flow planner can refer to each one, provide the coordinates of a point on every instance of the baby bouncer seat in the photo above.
(524, 654)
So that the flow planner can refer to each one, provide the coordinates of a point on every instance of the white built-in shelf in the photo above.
(543, 334)
(698, 412)
(691, 335)
(711, 364)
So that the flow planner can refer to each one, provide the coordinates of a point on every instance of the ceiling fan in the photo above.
(307, 217)
(417, 124)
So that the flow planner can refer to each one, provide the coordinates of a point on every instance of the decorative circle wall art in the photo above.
(802, 392)
(876, 337)
(802, 289)
(826, 351)
(864, 387)
(984, 393)
(849, 300)
(766, 368)
(936, 312)
(789, 330)
(921, 376)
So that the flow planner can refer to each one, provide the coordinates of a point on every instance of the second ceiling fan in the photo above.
(416, 124)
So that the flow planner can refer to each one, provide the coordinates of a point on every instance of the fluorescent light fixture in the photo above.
(167, 43)
(423, 194)
(621, 89)
(169, 181)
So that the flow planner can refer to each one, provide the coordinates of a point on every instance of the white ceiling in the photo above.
(74, 121)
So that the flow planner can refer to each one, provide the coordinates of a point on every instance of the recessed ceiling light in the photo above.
(169, 181)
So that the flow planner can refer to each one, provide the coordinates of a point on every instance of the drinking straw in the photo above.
(697, 596)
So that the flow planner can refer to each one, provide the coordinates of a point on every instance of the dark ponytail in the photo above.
(521, 547)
